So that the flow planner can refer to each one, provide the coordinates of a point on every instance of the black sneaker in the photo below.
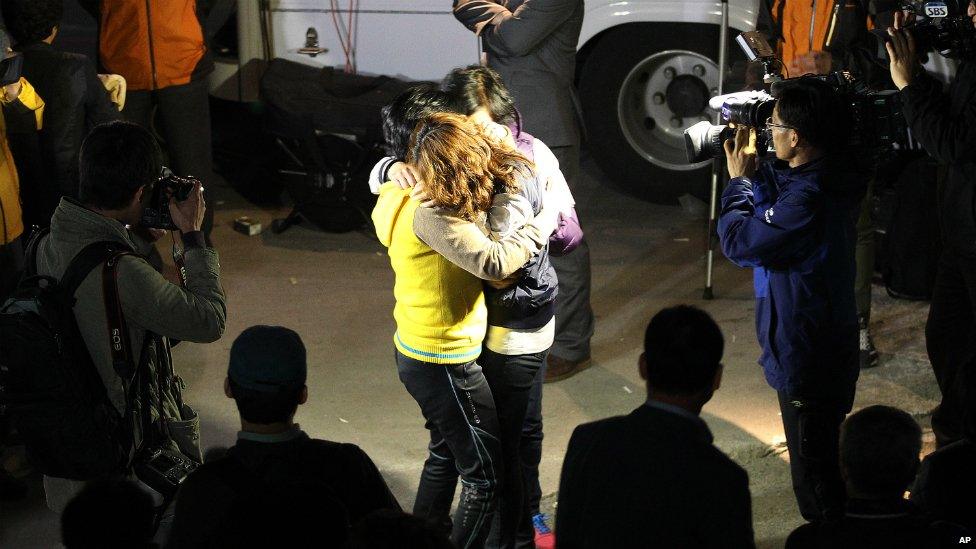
(868, 355)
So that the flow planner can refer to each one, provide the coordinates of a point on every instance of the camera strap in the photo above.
(121, 348)
(118, 333)
(122, 357)
(179, 259)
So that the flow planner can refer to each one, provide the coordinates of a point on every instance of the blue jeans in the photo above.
(464, 439)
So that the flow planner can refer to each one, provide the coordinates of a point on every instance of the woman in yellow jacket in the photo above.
(440, 310)
(21, 105)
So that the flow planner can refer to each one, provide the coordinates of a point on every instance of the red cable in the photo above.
(350, 30)
(334, 4)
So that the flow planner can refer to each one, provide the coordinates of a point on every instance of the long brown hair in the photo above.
(460, 166)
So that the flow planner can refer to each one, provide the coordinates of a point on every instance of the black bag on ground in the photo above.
(328, 131)
(327, 100)
(908, 216)
(327, 177)
(49, 385)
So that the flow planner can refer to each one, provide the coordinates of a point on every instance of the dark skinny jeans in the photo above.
(464, 439)
(512, 379)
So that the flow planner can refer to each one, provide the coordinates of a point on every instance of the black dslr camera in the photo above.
(163, 470)
(155, 215)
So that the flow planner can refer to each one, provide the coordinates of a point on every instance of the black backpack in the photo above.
(49, 384)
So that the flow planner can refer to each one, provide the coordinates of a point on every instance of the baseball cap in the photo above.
(267, 359)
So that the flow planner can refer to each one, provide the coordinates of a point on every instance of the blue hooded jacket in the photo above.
(795, 227)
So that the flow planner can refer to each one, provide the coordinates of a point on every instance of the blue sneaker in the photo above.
(544, 538)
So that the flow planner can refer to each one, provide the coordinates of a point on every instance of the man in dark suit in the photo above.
(879, 449)
(276, 474)
(532, 45)
(653, 478)
(945, 488)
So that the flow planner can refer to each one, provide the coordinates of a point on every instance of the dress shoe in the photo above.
(558, 368)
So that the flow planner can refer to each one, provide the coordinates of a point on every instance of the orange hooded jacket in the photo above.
(807, 25)
(153, 44)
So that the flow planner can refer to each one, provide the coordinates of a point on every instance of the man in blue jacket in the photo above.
(791, 221)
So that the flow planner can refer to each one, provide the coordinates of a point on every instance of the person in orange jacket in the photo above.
(159, 47)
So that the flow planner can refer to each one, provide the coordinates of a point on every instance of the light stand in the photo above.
(723, 55)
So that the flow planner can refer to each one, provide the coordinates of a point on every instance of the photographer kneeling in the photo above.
(120, 163)
(791, 220)
(945, 125)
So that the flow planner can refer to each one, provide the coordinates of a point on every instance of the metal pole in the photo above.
(723, 54)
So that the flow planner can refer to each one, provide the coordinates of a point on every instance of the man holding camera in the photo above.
(791, 220)
(945, 124)
(818, 38)
(120, 163)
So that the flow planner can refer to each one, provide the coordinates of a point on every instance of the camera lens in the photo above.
(703, 141)
(748, 112)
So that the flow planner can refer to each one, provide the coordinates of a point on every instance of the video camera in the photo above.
(876, 120)
(155, 215)
(937, 26)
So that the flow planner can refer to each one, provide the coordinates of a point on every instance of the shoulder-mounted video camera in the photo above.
(155, 215)
(936, 26)
(876, 120)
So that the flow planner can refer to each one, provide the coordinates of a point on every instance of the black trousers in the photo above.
(459, 410)
(813, 440)
(11, 266)
(512, 379)
(574, 316)
(950, 338)
(183, 117)
(530, 449)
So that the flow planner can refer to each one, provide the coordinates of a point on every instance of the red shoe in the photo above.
(544, 538)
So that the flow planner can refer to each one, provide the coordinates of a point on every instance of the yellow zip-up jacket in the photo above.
(11, 215)
(440, 308)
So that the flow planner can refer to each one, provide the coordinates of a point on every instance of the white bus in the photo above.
(646, 68)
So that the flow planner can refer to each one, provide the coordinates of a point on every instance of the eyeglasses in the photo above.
(770, 124)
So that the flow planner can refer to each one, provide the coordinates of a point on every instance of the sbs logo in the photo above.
(936, 9)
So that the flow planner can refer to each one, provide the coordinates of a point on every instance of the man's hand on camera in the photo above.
(901, 52)
(739, 155)
(188, 215)
(404, 175)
